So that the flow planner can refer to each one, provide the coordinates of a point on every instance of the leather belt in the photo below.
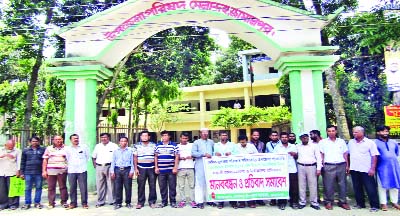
(333, 164)
(314, 164)
(106, 164)
(123, 168)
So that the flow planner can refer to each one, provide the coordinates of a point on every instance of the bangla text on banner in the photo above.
(247, 177)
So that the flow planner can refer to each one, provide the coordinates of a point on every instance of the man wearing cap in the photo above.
(202, 147)
(102, 157)
(309, 167)
(336, 164)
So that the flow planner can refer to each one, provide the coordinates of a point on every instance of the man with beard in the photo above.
(286, 148)
(260, 146)
(292, 138)
(223, 148)
(202, 147)
(388, 168)
(274, 141)
(315, 136)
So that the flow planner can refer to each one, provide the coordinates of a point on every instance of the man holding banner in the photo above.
(202, 147)
(244, 148)
(291, 150)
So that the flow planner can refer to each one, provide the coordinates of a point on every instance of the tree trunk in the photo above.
(33, 79)
(130, 112)
(110, 87)
(338, 105)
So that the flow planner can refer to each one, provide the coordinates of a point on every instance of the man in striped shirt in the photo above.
(144, 168)
(166, 160)
(54, 169)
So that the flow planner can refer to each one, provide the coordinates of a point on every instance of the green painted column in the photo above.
(319, 99)
(306, 90)
(296, 98)
(81, 97)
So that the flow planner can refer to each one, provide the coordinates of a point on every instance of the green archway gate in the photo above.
(290, 36)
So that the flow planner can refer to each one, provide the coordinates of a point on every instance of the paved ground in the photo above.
(187, 211)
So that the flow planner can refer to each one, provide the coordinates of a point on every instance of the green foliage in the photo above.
(160, 115)
(236, 118)
(228, 67)
(284, 88)
(174, 55)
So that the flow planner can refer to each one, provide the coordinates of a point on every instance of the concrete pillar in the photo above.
(81, 98)
(306, 90)
(247, 102)
(203, 109)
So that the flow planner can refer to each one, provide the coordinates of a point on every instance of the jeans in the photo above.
(360, 181)
(29, 181)
(167, 183)
(146, 174)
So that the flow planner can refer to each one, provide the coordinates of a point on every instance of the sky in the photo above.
(222, 37)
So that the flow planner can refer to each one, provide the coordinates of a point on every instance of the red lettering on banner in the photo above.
(159, 8)
(275, 182)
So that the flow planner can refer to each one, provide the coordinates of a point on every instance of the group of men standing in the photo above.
(180, 166)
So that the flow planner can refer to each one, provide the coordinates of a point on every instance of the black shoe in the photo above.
(294, 206)
(272, 203)
(260, 202)
(112, 203)
(128, 205)
(173, 205)
(282, 207)
(200, 205)
(117, 206)
(211, 204)
(315, 207)
(301, 206)
(99, 205)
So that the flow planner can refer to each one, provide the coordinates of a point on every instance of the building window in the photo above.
(104, 113)
(121, 112)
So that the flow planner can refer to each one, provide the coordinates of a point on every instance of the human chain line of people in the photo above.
(180, 167)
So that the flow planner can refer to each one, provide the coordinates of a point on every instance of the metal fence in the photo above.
(115, 132)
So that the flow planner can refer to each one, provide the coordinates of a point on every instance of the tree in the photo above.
(235, 118)
(228, 67)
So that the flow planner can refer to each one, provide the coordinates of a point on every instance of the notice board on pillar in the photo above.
(392, 119)
(247, 177)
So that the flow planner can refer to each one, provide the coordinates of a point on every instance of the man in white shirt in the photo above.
(286, 148)
(336, 164)
(222, 149)
(363, 159)
(102, 157)
(186, 171)
(309, 168)
(244, 148)
(77, 158)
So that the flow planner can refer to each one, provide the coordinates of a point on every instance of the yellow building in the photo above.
(205, 101)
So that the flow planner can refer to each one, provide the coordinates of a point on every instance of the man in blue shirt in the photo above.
(31, 171)
(166, 160)
(122, 171)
